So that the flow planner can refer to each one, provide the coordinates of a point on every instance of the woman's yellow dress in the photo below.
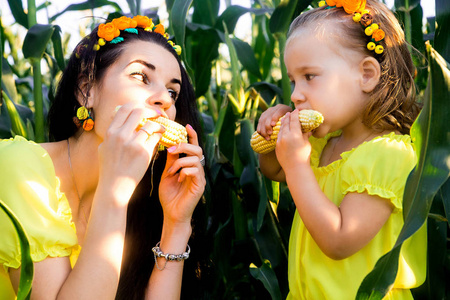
(30, 188)
(377, 167)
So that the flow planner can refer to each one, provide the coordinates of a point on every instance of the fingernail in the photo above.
(189, 126)
(158, 111)
(171, 149)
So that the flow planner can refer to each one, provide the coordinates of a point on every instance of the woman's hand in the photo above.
(183, 180)
(269, 119)
(126, 152)
(293, 147)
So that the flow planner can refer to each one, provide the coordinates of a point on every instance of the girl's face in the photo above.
(145, 72)
(326, 77)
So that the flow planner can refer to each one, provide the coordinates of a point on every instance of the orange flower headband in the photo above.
(110, 32)
(363, 16)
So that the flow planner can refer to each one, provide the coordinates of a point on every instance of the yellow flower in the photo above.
(108, 31)
(379, 49)
(369, 31)
(357, 17)
(374, 26)
(101, 42)
(371, 46)
(82, 113)
(322, 3)
(96, 47)
(177, 49)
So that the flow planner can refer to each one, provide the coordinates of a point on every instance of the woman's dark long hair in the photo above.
(144, 217)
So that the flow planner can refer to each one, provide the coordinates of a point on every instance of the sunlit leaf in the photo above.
(267, 276)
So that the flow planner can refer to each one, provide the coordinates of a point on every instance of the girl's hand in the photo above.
(293, 147)
(269, 119)
(183, 180)
(125, 153)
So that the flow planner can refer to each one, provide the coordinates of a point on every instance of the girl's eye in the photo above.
(309, 77)
(140, 76)
(173, 94)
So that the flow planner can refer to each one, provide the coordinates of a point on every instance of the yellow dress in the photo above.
(30, 188)
(378, 167)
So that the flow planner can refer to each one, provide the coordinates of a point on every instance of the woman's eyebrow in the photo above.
(142, 62)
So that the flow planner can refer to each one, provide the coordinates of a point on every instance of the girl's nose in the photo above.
(297, 95)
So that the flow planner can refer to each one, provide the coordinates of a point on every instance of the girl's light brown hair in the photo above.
(392, 105)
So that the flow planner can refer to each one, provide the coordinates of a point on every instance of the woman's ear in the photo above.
(370, 74)
(85, 93)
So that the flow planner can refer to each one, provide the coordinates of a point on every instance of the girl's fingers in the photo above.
(132, 112)
(192, 173)
(192, 135)
(149, 132)
(184, 162)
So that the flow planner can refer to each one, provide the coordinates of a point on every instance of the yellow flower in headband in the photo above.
(143, 21)
(352, 6)
(124, 23)
(108, 31)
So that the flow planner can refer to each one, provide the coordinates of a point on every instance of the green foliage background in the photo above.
(235, 80)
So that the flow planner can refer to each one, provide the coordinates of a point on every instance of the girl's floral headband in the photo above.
(110, 32)
(363, 16)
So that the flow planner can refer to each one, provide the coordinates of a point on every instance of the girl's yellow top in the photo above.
(377, 167)
(30, 188)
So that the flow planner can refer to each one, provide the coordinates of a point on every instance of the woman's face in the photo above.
(145, 72)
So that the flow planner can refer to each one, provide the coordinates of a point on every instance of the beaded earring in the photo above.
(84, 118)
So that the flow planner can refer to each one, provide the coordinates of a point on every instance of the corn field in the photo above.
(235, 81)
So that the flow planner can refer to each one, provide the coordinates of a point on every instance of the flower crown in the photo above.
(110, 32)
(363, 16)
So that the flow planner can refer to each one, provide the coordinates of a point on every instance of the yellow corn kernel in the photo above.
(309, 119)
(174, 134)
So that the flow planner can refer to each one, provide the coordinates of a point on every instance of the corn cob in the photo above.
(174, 134)
(309, 119)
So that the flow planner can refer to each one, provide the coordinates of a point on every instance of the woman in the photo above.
(99, 155)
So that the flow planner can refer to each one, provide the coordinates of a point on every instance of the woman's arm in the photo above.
(181, 187)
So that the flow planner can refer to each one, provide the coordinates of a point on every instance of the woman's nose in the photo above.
(161, 98)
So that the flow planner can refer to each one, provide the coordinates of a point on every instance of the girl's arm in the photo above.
(338, 231)
(181, 187)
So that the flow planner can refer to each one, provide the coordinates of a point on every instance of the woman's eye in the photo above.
(173, 94)
(309, 77)
(140, 76)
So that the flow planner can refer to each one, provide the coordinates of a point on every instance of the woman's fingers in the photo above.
(183, 162)
(132, 113)
(150, 132)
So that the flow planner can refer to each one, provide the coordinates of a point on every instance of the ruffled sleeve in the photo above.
(30, 188)
(380, 167)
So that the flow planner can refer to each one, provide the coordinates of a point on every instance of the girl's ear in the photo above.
(370, 74)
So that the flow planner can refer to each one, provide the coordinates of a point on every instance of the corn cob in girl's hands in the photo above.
(309, 119)
(175, 133)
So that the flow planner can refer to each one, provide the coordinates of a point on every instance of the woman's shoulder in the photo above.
(19, 151)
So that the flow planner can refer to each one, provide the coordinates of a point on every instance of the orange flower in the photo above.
(159, 29)
(378, 35)
(143, 21)
(108, 31)
(124, 23)
(352, 6)
(337, 3)
(88, 124)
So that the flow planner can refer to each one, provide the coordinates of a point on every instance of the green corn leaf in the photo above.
(18, 12)
(27, 268)
(267, 276)
(235, 73)
(431, 136)
(442, 37)
(87, 5)
(232, 14)
(178, 20)
(206, 12)
(57, 48)
(36, 41)
(246, 56)
(17, 125)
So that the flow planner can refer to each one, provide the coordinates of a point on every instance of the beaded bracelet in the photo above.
(169, 257)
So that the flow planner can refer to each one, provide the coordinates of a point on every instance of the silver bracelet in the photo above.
(169, 257)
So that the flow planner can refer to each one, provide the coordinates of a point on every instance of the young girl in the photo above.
(81, 190)
(347, 179)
